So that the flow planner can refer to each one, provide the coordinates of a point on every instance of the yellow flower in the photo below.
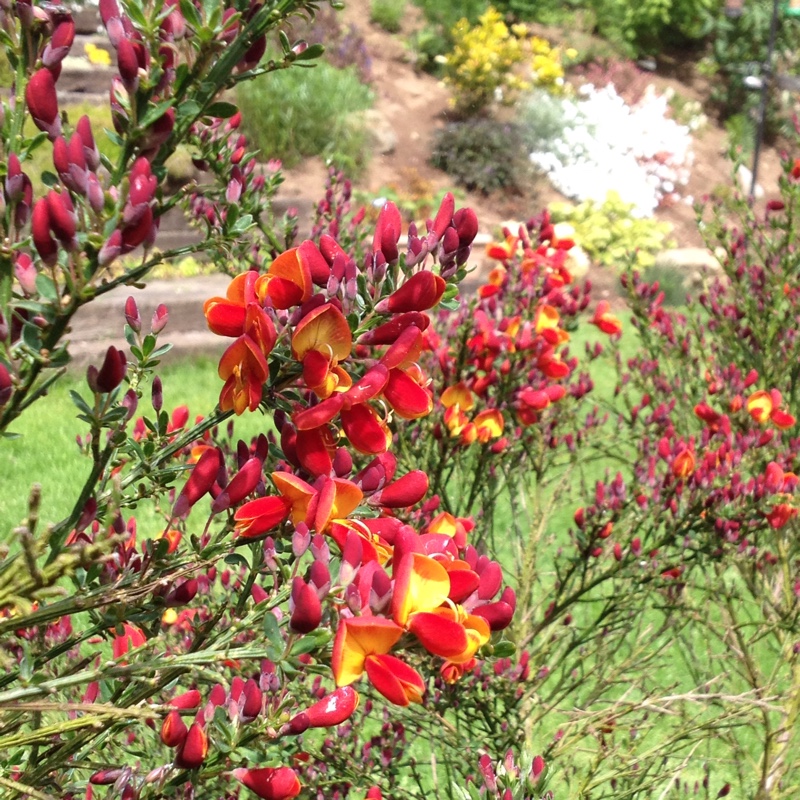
(97, 55)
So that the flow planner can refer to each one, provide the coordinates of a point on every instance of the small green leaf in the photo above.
(46, 287)
(134, 11)
(272, 631)
(191, 14)
(80, 402)
(221, 110)
(237, 560)
(155, 113)
(31, 336)
(188, 110)
(311, 52)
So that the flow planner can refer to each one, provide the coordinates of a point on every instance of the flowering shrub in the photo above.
(486, 58)
(320, 604)
(481, 65)
(158, 661)
(605, 145)
(611, 235)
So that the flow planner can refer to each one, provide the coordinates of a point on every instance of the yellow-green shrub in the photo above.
(611, 235)
(482, 62)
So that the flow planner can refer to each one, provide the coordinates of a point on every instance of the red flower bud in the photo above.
(91, 154)
(45, 244)
(60, 43)
(128, 65)
(270, 783)
(6, 387)
(187, 700)
(62, 217)
(200, 482)
(111, 249)
(183, 594)
(466, 222)
(40, 95)
(421, 291)
(244, 482)
(444, 216)
(173, 730)
(105, 777)
(387, 234)
(405, 491)
(194, 749)
(110, 374)
(253, 700)
(132, 314)
(333, 709)
(389, 332)
(305, 607)
(160, 319)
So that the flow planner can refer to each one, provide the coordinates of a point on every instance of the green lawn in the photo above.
(45, 451)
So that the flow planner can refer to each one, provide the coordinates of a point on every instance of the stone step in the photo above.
(101, 323)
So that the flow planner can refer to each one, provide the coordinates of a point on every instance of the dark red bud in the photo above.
(306, 609)
(111, 373)
(40, 95)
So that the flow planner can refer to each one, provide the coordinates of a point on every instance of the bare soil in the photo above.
(415, 105)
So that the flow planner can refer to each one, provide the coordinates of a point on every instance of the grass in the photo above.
(295, 113)
(46, 452)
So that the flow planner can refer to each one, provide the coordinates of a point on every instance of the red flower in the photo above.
(203, 477)
(131, 638)
(270, 783)
(423, 290)
(194, 749)
(605, 320)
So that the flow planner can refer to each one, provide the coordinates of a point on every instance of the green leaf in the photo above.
(80, 402)
(272, 631)
(134, 11)
(311, 52)
(221, 110)
(130, 335)
(191, 14)
(188, 110)
(237, 560)
(243, 223)
(148, 345)
(155, 113)
(46, 287)
(160, 351)
(31, 336)
(310, 642)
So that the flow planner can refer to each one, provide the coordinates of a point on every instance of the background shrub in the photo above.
(611, 235)
(483, 155)
(298, 113)
(436, 38)
(388, 14)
